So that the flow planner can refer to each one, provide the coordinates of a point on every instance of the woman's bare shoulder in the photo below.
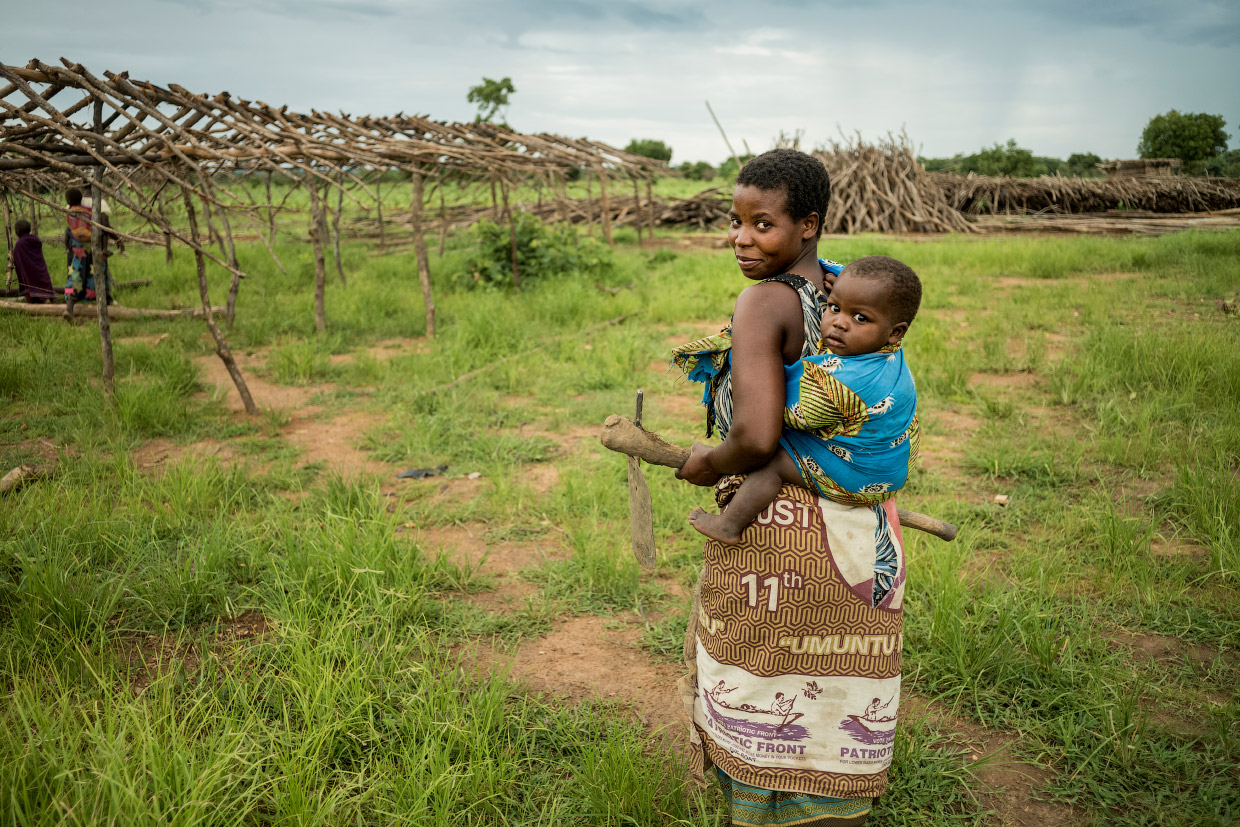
(771, 300)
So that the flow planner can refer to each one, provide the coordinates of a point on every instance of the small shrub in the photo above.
(542, 252)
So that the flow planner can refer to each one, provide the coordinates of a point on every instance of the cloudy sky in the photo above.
(1059, 76)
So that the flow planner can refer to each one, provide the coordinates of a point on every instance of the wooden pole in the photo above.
(99, 264)
(221, 344)
(589, 207)
(494, 202)
(34, 212)
(7, 218)
(512, 237)
(725, 136)
(649, 209)
(637, 210)
(234, 286)
(443, 215)
(336, 227)
(561, 195)
(317, 233)
(423, 257)
(212, 234)
(271, 214)
(605, 213)
(379, 208)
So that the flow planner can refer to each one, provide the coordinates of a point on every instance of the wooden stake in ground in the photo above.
(221, 344)
(605, 212)
(99, 263)
(589, 205)
(7, 218)
(336, 227)
(443, 215)
(379, 209)
(512, 236)
(33, 207)
(650, 209)
(271, 215)
(318, 230)
(227, 247)
(419, 247)
(637, 205)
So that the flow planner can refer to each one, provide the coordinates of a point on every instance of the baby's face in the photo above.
(859, 318)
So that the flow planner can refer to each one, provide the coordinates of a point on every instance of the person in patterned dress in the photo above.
(850, 413)
(844, 564)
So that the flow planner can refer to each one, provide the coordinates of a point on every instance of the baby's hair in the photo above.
(22, 226)
(904, 297)
(74, 197)
(801, 176)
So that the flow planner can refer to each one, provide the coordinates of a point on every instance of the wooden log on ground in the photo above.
(116, 311)
(21, 475)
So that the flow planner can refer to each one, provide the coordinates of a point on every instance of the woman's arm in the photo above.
(766, 327)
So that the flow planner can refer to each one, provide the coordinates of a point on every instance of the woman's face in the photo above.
(764, 237)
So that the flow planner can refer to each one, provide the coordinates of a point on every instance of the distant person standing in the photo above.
(81, 280)
(34, 283)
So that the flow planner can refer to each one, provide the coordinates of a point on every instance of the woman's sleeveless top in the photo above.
(719, 411)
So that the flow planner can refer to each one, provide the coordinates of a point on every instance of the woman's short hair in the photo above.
(802, 176)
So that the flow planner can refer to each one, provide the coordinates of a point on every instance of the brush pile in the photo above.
(986, 195)
(881, 188)
(707, 210)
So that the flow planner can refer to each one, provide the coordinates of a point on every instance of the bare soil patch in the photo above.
(1164, 648)
(385, 350)
(159, 453)
(541, 476)
(1011, 782)
(943, 445)
(1002, 380)
(334, 442)
(152, 656)
(593, 657)
(265, 394)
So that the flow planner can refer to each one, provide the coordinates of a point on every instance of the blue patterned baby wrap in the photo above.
(850, 423)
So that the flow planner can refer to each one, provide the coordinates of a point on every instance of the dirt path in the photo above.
(585, 656)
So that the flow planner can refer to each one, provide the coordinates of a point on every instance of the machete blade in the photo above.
(641, 515)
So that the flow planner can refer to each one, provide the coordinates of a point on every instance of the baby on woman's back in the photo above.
(850, 412)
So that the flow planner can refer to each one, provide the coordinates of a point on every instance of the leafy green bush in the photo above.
(1194, 137)
(543, 251)
(650, 148)
(700, 171)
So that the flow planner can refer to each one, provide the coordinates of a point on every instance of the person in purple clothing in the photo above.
(34, 283)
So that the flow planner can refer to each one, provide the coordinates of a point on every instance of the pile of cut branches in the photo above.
(982, 194)
(881, 188)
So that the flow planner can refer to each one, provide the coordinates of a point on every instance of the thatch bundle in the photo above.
(881, 188)
(981, 194)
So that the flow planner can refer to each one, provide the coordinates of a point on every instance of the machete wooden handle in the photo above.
(621, 435)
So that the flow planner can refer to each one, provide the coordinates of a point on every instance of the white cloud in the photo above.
(1060, 77)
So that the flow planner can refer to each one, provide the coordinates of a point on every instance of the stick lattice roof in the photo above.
(164, 129)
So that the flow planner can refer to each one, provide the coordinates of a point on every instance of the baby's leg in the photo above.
(757, 492)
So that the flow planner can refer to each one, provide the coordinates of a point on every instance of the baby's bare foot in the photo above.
(715, 527)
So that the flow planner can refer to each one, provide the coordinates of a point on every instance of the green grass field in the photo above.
(211, 619)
